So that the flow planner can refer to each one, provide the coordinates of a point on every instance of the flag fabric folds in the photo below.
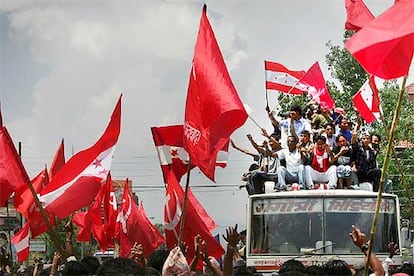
(316, 87)
(134, 226)
(281, 79)
(367, 101)
(13, 175)
(193, 222)
(213, 107)
(385, 46)
(168, 141)
(83, 173)
(357, 15)
(110, 208)
(58, 160)
(23, 197)
(21, 243)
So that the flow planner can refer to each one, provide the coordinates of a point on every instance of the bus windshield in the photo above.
(318, 225)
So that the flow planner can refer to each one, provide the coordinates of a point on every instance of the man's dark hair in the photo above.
(294, 137)
(297, 109)
(74, 268)
(314, 270)
(337, 267)
(292, 265)
(157, 259)
(91, 264)
(118, 266)
(253, 167)
(375, 134)
(319, 137)
(339, 136)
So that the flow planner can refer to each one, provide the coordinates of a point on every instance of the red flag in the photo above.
(385, 46)
(12, 172)
(90, 218)
(37, 223)
(317, 87)
(153, 237)
(83, 173)
(134, 227)
(365, 102)
(213, 108)
(357, 15)
(193, 222)
(25, 204)
(168, 141)
(58, 160)
(83, 220)
(23, 198)
(21, 243)
(279, 78)
(110, 210)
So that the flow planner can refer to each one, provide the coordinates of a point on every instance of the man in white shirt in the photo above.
(294, 172)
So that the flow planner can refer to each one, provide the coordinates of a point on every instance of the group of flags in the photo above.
(383, 46)
(213, 112)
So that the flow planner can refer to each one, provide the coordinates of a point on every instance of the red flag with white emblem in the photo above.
(134, 227)
(367, 101)
(193, 225)
(213, 108)
(83, 173)
(168, 141)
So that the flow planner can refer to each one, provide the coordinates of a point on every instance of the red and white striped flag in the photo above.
(281, 79)
(83, 173)
(21, 243)
(366, 102)
(168, 141)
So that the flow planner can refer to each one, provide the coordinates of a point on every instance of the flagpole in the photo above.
(267, 96)
(384, 170)
(182, 222)
(45, 218)
(396, 160)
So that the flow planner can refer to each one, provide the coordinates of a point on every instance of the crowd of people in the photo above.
(314, 148)
(233, 262)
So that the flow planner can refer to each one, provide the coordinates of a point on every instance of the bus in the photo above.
(313, 226)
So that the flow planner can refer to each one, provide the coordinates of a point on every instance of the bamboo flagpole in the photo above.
(384, 170)
(183, 216)
(51, 231)
(377, 102)
(249, 111)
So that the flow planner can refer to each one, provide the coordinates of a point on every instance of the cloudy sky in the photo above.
(63, 64)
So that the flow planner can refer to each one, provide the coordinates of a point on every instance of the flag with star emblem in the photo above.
(281, 79)
(168, 141)
(78, 182)
(367, 101)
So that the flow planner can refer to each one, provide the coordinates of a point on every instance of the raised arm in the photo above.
(359, 239)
